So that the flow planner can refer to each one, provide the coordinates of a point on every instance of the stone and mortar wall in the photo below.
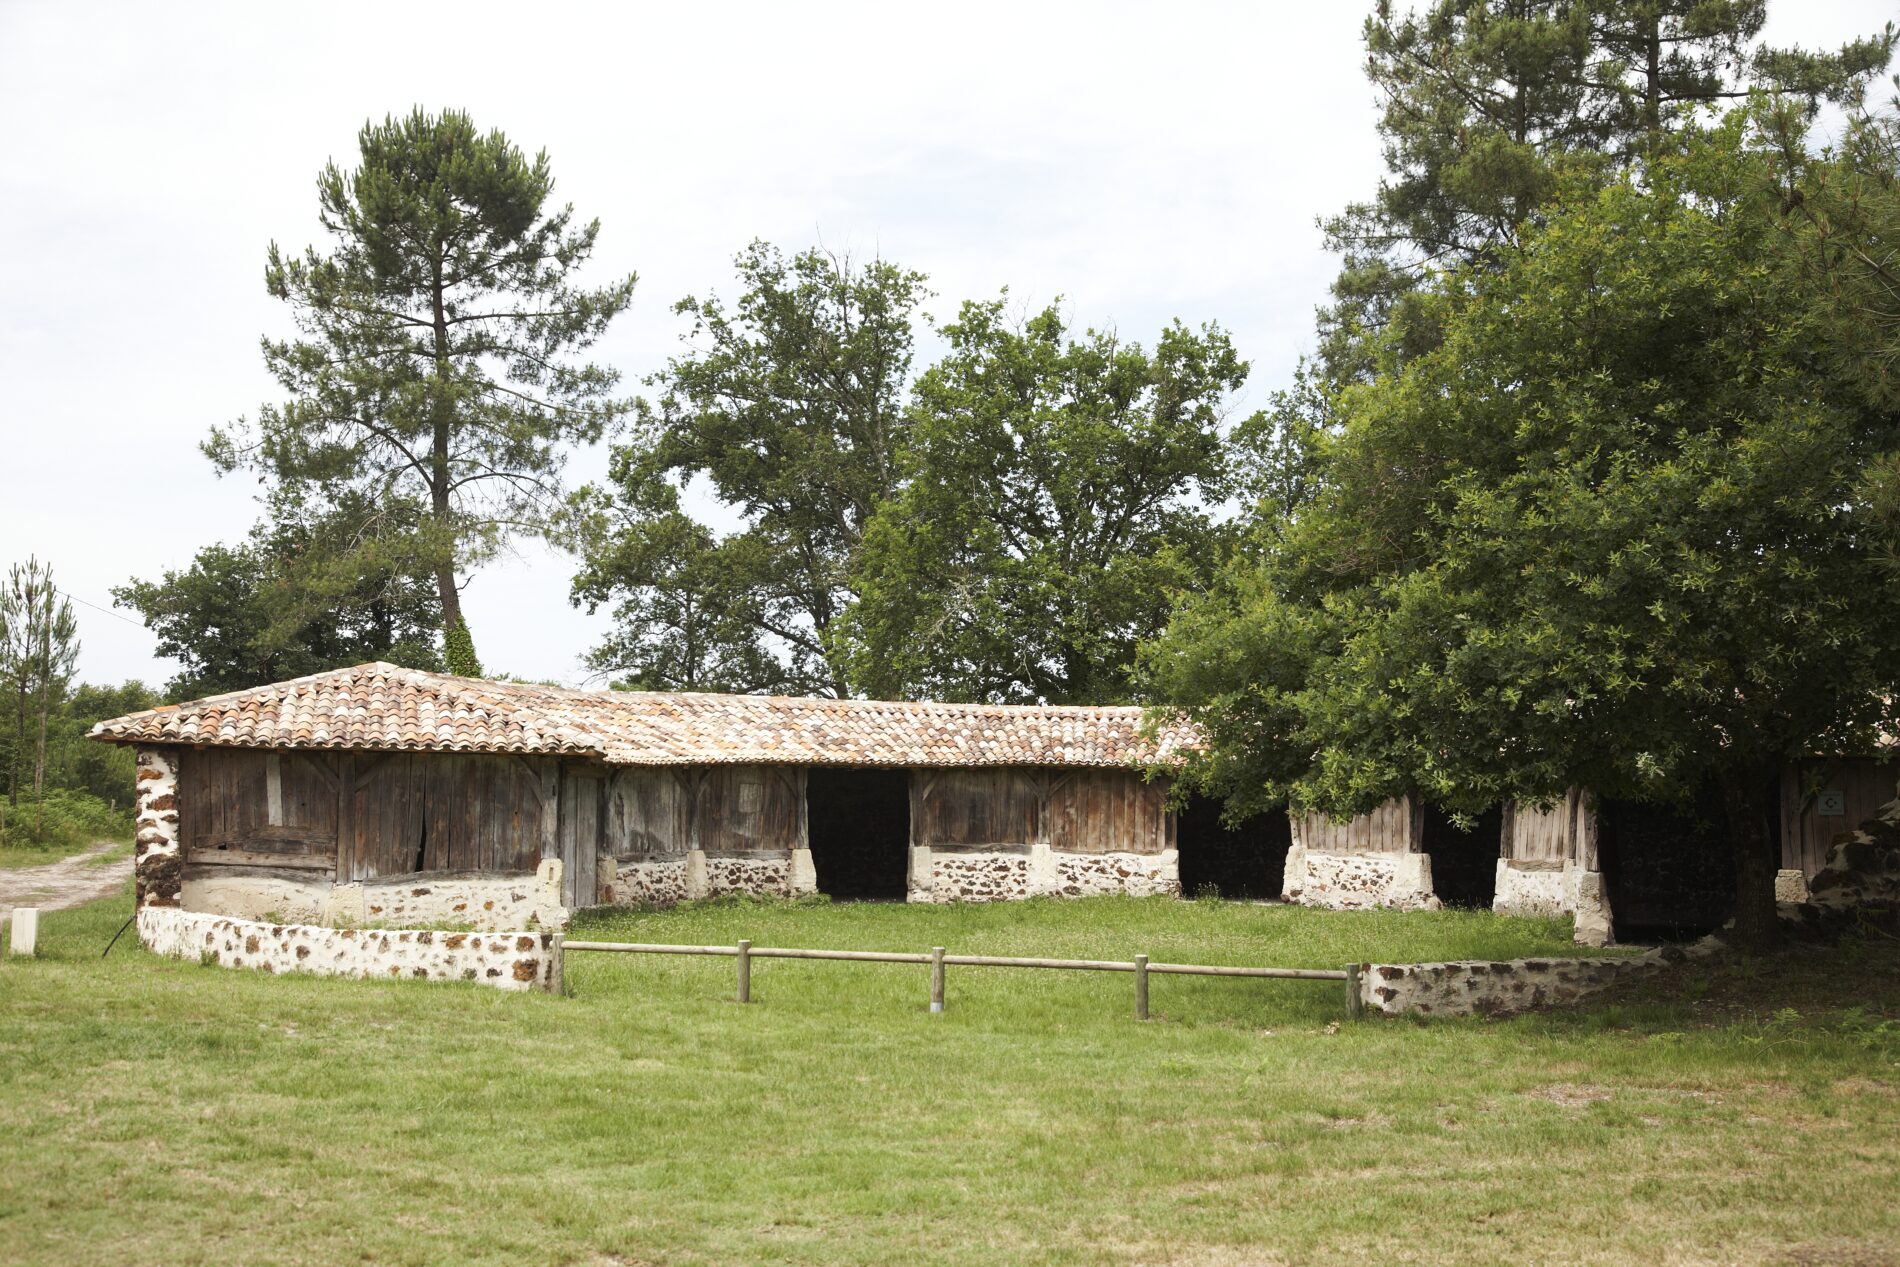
(1351, 882)
(493, 903)
(758, 877)
(643, 883)
(1571, 890)
(1486, 988)
(158, 869)
(509, 961)
(940, 875)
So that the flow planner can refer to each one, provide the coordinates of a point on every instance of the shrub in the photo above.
(65, 818)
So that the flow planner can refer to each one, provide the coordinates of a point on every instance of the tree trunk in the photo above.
(446, 589)
(1749, 795)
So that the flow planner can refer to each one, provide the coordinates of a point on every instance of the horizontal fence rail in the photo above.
(745, 952)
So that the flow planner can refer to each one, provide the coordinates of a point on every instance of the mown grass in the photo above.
(159, 1112)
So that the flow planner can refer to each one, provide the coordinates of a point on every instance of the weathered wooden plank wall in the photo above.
(1866, 785)
(1394, 827)
(649, 813)
(1108, 811)
(1542, 836)
(1076, 811)
(254, 808)
(750, 809)
(1000, 806)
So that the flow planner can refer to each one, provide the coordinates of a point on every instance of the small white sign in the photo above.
(1830, 804)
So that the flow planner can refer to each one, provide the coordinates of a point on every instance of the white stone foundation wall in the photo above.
(1351, 882)
(643, 883)
(759, 877)
(1527, 892)
(937, 875)
(1093, 875)
(491, 903)
(158, 865)
(519, 960)
(1485, 988)
(1010, 874)
(1571, 890)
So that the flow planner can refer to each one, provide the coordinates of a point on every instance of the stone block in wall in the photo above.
(1500, 988)
(1791, 885)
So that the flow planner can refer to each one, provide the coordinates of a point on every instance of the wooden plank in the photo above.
(234, 856)
(345, 817)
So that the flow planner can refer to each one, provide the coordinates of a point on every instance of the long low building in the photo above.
(383, 795)
(378, 795)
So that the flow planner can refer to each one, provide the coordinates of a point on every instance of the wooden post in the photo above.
(1141, 987)
(745, 972)
(936, 978)
(1355, 1004)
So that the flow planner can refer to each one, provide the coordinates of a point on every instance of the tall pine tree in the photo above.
(438, 359)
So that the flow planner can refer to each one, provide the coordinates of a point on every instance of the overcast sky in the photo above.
(1144, 162)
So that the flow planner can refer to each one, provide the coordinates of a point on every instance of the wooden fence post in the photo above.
(1141, 987)
(745, 972)
(1355, 1003)
(936, 978)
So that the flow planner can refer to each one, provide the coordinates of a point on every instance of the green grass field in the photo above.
(160, 1112)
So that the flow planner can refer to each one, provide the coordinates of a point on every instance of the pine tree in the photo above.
(438, 358)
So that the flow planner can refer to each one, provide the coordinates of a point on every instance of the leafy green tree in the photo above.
(299, 596)
(1611, 531)
(101, 770)
(1487, 104)
(680, 621)
(1844, 217)
(790, 405)
(438, 362)
(1056, 491)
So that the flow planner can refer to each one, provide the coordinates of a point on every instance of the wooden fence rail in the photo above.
(745, 952)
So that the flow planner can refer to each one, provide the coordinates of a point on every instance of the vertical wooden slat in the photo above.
(345, 817)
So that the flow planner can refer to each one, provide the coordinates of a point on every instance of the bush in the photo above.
(66, 819)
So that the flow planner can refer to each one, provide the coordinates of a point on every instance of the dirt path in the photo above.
(69, 882)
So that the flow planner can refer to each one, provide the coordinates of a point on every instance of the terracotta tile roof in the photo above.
(384, 707)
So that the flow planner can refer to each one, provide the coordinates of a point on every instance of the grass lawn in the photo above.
(159, 1112)
(13, 857)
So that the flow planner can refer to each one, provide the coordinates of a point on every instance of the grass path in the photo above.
(160, 1112)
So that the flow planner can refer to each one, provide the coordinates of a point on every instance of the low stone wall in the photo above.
(1487, 988)
(1348, 882)
(1010, 873)
(1556, 891)
(508, 961)
(492, 903)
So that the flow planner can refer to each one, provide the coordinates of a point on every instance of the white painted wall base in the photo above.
(1571, 891)
(516, 960)
(1036, 870)
(435, 899)
(1348, 882)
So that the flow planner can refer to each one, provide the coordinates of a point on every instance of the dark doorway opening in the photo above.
(1243, 861)
(859, 829)
(1669, 869)
(1464, 862)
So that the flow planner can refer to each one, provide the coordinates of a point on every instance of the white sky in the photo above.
(1145, 162)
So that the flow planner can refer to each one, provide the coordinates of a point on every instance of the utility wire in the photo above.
(107, 610)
